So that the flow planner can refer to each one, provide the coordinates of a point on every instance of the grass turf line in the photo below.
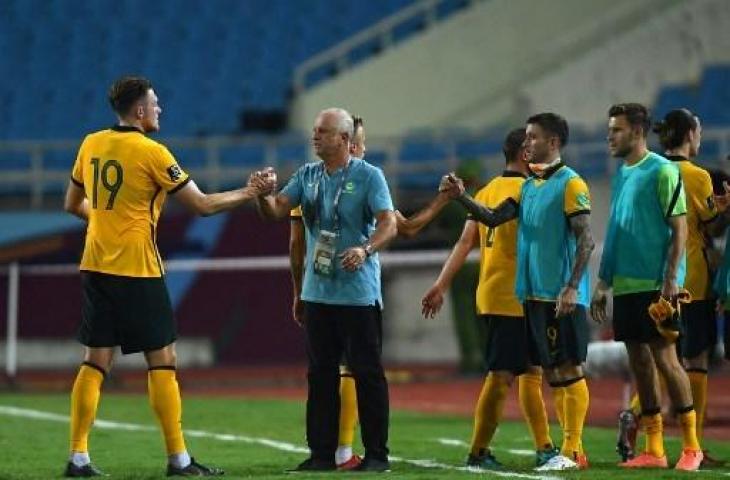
(32, 448)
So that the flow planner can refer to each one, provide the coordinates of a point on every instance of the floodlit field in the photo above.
(261, 438)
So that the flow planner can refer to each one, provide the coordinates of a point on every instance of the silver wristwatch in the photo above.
(368, 247)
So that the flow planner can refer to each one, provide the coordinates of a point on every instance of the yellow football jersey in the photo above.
(126, 178)
(577, 197)
(700, 210)
(498, 248)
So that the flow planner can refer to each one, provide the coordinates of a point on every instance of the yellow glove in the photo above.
(666, 315)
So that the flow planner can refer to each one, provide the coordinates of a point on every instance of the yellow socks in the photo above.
(688, 421)
(698, 383)
(559, 401)
(488, 411)
(164, 394)
(574, 416)
(533, 409)
(84, 401)
(654, 433)
(348, 409)
(635, 405)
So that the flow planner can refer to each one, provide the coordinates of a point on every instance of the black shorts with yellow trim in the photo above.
(555, 341)
(699, 328)
(506, 344)
(631, 320)
(132, 312)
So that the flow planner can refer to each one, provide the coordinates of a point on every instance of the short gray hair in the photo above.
(345, 123)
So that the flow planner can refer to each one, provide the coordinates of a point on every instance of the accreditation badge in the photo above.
(324, 253)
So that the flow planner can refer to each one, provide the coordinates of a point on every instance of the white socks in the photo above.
(343, 454)
(79, 458)
(179, 460)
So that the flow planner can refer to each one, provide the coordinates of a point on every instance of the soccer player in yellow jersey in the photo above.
(118, 185)
(680, 133)
(506, 353)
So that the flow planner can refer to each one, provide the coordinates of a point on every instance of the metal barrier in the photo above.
(589, 157)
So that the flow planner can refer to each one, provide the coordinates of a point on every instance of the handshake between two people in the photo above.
(263, 182)
(451, 185)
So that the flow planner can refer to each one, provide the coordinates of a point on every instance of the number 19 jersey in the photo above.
(126, 177)
(498, 248)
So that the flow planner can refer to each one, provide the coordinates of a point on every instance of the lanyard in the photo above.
(336, 202)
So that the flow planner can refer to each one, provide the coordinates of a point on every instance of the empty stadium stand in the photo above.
(209, 60)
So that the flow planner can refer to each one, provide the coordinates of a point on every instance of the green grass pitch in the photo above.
(261, 438)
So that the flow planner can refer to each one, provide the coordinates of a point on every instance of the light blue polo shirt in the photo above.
(364, 194)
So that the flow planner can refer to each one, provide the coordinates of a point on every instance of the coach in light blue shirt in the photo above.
(363, 190)
(348, 216)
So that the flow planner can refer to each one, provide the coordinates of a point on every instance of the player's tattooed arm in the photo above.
(504, 212)
(581, 227)
(568, 297)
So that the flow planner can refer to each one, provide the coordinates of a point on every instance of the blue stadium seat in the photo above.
(591, 164)
(189, 158)
(376, 157)
(409, 27)
(294, 153)
(447, 7)
(709, 150)
(671, 97)
(419, 150)
(249, 62)
(414, 151)
(245, 155)
(11, 160)
(715, 95)
(62, 160)
(477, 148)
(365, 51)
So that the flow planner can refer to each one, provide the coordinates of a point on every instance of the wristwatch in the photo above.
(368, 247)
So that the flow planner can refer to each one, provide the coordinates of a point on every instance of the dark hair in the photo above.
(636, 114)
(126, 91)
(513, 143)
(552, 123)
(356, 123)
(675, 127)
(718, 177)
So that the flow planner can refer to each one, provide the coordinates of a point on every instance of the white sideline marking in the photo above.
(227, 437)
(519, 451)
(453, 442)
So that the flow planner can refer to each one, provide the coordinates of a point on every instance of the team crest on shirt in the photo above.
(175, 172)
(582, 200)
(350, 187)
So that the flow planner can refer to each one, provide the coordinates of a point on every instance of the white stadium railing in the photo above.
(38, 181)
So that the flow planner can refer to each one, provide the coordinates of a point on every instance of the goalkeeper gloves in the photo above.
(666, 315)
